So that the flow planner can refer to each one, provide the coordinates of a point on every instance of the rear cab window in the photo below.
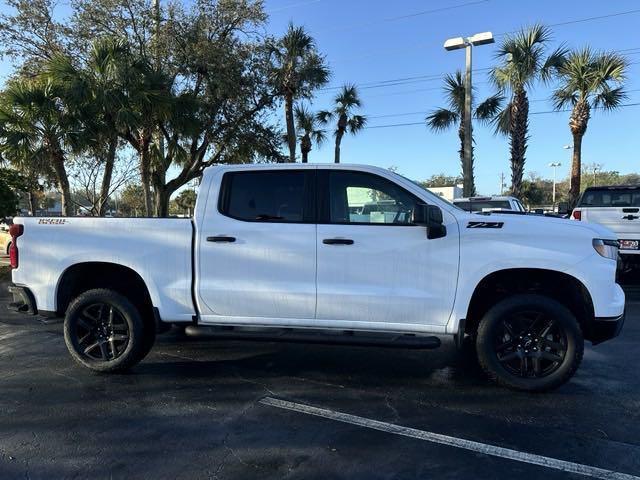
(610, 197)
(284, 196)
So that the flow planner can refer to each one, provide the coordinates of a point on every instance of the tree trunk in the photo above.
(519, 131)
(161, 201)
(576, 170)
(291, 127)
(339, 136)
(63, 183)
(578, 125)
(305, 148)
(468, 180)
(145, 173)
(106, 177)
(31, 196)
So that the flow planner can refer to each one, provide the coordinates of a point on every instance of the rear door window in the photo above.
(269, 196)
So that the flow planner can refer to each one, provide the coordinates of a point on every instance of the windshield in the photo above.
(611, 197)
(481, 205)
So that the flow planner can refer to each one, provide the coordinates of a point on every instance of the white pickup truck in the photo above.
(617, 208)
(301, 252)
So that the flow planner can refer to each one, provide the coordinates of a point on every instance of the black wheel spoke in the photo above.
(553, 345)
(102, 332)
(530, 344)
(550, 356)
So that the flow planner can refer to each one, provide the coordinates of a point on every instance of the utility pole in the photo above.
(554, 166)
(501, 183)
(468, 43)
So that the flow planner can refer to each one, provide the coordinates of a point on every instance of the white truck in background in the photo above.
(290, 250)
(618, 209)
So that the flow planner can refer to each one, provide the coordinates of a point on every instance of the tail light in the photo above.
(15, 231)
(576, 215)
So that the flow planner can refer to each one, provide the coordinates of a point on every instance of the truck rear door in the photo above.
(256, 248)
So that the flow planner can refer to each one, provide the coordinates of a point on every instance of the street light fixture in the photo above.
(554, 166)
(468, 43)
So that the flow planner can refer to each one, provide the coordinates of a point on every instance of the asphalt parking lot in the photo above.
(220, 409)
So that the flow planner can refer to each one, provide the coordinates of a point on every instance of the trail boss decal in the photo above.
(485, 224)
(52, 221)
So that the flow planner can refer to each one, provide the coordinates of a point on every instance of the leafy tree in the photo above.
(186, 201)
(310, 132)
(345, 102)
(299, 70)
(587, 80)
(10, 184)
(444, 118)
(131, 201)
(522, 63)
(35, 123)
(441, 180)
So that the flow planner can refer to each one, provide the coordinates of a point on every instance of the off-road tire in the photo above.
(513, 307)
(137, 345)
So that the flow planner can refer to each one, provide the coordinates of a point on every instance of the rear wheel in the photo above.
(529, 342)
(103, 331)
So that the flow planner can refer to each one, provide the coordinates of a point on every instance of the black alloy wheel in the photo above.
(102, 332)
(529, 342)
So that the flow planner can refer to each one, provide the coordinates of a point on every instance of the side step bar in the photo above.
(406, 341)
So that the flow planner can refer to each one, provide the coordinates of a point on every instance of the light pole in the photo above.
(554, 166)
(468, 43)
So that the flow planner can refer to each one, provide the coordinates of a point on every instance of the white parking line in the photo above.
(562, 465)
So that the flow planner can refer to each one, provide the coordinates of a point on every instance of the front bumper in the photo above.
(23, 300)
(606, 328)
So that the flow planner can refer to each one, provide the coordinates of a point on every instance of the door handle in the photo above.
(337, 241)
(221, 239)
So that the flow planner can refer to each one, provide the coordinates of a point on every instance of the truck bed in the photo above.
(159, 250)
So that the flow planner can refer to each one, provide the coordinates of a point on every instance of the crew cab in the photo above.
(291, 252)
(617, 208)
(489, 204)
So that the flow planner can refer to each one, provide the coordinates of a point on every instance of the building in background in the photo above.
(448, 193)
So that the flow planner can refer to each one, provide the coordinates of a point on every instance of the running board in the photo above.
(406, 341)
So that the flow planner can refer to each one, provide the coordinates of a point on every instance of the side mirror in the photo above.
(431, 217)
(563, 208)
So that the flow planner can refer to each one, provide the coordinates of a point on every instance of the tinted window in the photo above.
(481, 205)
(362, 198)
(622, 197)
(276, 196)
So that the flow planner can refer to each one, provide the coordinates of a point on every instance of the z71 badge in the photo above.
(485, 224)
(52, 221)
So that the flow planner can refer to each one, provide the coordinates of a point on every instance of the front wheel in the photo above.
(529, 342)
(103, 331)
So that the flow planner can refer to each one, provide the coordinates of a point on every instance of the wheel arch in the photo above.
(84, 276)
(562, 287)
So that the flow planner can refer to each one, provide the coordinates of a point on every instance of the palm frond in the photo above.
(488, 109)
(502, 121)
(325, 116)
(610, 99)
(356, 123)
(554, 63)
(441, 119)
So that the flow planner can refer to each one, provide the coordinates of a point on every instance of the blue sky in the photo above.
(371, 41)
(366, 41)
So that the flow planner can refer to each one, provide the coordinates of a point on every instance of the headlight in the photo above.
(606, 248)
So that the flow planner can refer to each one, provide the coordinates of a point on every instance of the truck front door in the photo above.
(376, 269)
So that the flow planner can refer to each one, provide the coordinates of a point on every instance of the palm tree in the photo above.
(98, 97)
(310, 133)
(299, 70)
(444, 118)
(37, 124)
(523, 63)
(344, 103)
(587, 80)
